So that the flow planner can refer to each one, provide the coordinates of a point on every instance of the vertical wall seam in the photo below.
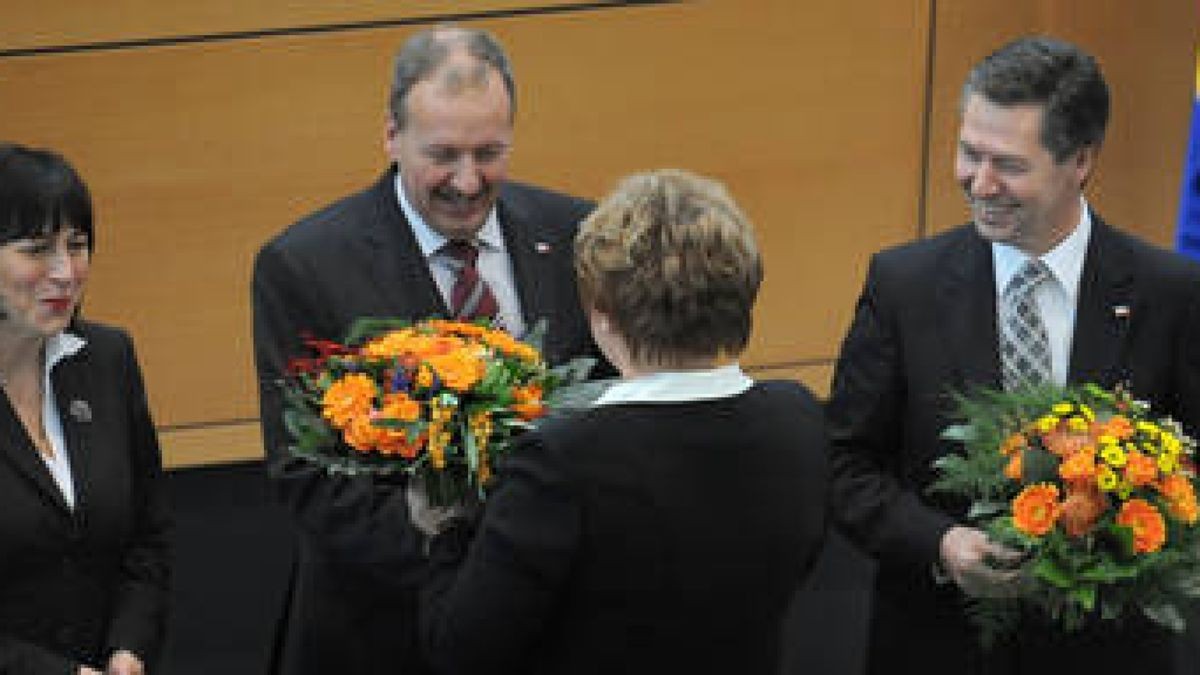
(927, 123)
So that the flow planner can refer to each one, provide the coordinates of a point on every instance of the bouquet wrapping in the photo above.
(437, 400)
(1095, 488)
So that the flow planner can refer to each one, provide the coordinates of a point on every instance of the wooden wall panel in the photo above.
(64, 23)
(199, 151)
(1148, 59)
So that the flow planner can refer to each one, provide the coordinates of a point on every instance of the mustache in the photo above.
(457, 198)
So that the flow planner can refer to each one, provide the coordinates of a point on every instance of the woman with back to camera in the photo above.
(666, 528)
(83, 547)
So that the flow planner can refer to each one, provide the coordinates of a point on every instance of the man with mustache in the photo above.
(929, 322)
(396, 250)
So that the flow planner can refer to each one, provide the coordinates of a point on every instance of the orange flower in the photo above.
(1013, 444)
(1149, 529)
(362, 434)
(1118, 426)
(1181, 498)
(1036, 509)
(1140, 469)
(347, 399)
(1065, 443)
(527, 402)
(1081, 509)
(458, 370)
(400, 406)
(1080, 467)
(1015, 467)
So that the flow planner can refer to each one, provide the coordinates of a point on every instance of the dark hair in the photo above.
(40, 194)
(421, 55)
(1057, 75)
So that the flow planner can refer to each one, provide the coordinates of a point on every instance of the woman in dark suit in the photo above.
(664, 529)
(83, 551)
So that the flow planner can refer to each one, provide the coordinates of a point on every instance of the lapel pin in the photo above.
(542, 247)
(80, 411)
(1121, 311)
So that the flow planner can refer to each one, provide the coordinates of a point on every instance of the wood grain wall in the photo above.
(205, 128)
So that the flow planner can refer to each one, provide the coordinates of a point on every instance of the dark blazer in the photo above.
(355, 258)
(925, 325)
(638, 538)
(77, 585)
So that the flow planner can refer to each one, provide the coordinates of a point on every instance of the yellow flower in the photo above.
(1047, 424)
(1062, 409)
(1113, 455)
(1078, 425)
(1106, 479)
(1087, 413)
(1168, 463)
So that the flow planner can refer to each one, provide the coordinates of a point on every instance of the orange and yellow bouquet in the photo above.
(1097, 490)
(439, 400)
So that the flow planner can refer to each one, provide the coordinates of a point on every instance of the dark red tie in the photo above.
(471, 298)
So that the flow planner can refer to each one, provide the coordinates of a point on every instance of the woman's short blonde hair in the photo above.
(671, 260)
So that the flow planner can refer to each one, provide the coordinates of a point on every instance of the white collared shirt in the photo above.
(58, 347)
(679, 386)
(1058, 297)
(493, 263)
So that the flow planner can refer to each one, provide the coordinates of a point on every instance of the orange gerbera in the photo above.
(347, 399)
(1079, 467)
(1140, 469)
(1149, 529)
(1081, 509)
(1181, 498)
(1036, 509)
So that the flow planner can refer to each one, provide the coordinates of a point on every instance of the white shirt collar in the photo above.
(679, 386)
(1064, 260)
(431, 241)
(61, 345)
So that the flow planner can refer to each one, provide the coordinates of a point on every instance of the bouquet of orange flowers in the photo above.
(439, 400)
(1098, 491)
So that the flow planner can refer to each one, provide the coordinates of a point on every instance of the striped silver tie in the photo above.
(1024, 346)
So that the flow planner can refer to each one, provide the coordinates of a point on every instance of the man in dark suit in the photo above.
(386, 252)
(1114, 309)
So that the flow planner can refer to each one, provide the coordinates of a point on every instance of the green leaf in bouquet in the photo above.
(1107, 571)
(1038, 466)
(1050, 570)
(985, 509)
(367, 327)
(1165, 614)
(1084, 595)
(961, 433)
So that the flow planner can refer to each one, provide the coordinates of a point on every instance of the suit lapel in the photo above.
(72, 394)
(406, 286)
(1097, 349)
(531, 257)
(20, 452)
(966, 303)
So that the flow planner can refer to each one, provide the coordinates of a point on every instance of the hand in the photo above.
(981, 567)
(430, 520)
(124, 662)
(88, 670)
